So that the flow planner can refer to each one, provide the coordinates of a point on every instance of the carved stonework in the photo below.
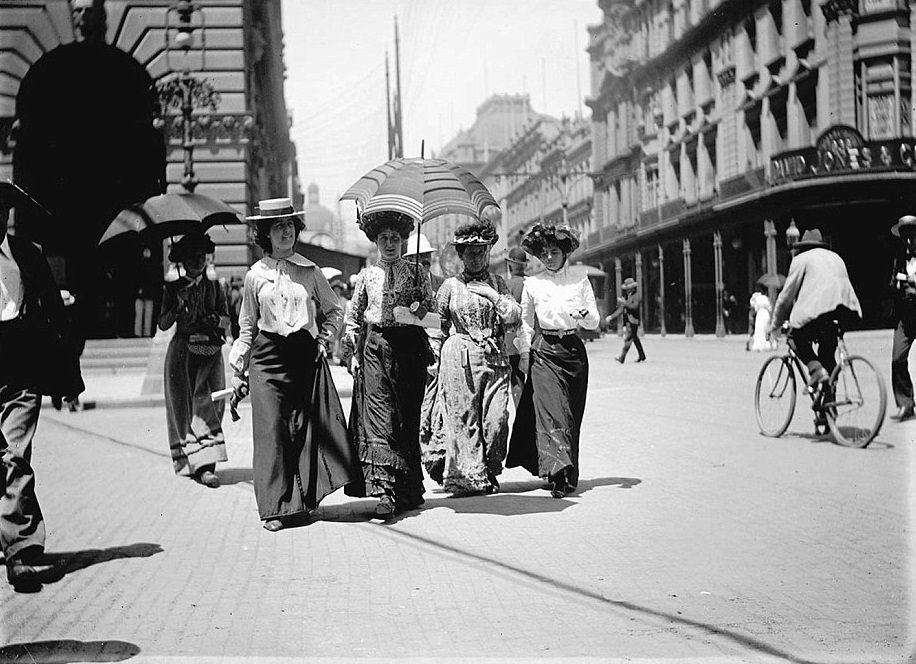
(210, 128)
(726, 77)
(834, 9)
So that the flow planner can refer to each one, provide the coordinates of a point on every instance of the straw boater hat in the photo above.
(541, 235)
(810, 240)
(479, 233)
(517, 255)
(425, 246)
(628, 283)
(906, 223)
(272, 209)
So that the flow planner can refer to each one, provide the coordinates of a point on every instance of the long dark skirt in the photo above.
(301, 448)
(545, 437)
(387, 400)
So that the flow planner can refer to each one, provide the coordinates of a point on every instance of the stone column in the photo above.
(688, 291)
(839, 15)
(769, 232)
(720, 286)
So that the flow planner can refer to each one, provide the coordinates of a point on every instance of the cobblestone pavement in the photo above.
(692, 539)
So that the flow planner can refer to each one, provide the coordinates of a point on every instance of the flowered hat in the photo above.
(475, 233)
(375, 222)
(542, 235)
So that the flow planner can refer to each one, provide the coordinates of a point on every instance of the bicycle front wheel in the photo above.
(856, 411)
(774, 398)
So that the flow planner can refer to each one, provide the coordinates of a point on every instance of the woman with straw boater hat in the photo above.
(628, 308)
(194, 361)
(545, 436)
(288, 318)
(466, 443)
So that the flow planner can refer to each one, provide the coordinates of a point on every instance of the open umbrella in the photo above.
(771, 279)
(166, 215)
(422, 189)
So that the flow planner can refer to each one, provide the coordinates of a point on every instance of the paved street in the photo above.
(692, 538)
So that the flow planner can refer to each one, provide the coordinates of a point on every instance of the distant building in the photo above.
(322, 227)
(719, 125)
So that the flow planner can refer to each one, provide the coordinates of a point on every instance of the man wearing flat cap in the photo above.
(36, 358)
(904, 282)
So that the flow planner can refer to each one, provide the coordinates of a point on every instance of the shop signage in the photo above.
(841, 149)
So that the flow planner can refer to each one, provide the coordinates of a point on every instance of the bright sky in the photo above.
(454, 54)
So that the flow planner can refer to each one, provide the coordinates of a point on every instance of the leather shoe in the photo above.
(25, 576)
(619, 360)
(384, 509)
(905, 413)
(209, 478)
(273, 525)
(642, 359)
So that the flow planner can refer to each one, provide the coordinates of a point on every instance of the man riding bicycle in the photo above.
(817, 293)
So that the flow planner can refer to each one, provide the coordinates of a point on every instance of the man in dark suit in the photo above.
(904, 281)
(628, 307)
(36, 358)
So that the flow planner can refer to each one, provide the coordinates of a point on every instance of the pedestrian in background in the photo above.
(390, 353)
(288, 318)
(517, 261)
(37, 357)
(761, 309)
(470, 434)
(904, 282)
(422, 252)
(148, 287)
(628, 308)
(545, 436)
(194, 361)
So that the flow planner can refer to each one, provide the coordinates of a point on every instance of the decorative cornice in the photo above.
(210, 127)
(833, 9)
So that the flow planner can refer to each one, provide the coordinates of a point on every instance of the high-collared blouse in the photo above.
(474, 316)
(380, 288)
(283, 296)
(551, 298)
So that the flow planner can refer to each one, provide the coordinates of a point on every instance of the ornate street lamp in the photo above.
(184, 26)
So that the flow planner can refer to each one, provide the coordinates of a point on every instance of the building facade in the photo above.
(720, 127)
(241, 146)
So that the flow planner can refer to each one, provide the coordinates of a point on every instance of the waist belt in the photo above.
(558, 333)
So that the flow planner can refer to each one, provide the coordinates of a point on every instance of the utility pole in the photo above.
(397, 109)
(388, 109)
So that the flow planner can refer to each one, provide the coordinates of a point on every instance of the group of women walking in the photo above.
(402, 340)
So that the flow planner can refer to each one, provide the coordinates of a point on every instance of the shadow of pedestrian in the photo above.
(60, 652)
(66, 562)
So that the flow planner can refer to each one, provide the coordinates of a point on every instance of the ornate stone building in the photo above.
(721, 125)
(83, 127)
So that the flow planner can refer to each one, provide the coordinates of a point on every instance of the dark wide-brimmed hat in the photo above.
(906, 223)
(190, 244)
(810, 240)
(273, 209)
(542, 235)
(517, 255)
(628, 283)
(475, 233)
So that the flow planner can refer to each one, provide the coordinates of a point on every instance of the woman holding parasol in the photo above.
(389, 347)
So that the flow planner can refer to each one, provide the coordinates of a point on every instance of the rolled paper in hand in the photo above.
(221, 394)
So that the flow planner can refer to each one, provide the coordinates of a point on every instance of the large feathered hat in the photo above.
(542, 235)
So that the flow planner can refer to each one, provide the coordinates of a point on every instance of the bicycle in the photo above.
(850, 405)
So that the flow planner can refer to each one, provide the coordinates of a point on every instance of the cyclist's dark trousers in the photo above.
(903, 339)
(631, 336)
(821, 331)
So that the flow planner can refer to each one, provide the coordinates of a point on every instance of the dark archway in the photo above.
(86, 149)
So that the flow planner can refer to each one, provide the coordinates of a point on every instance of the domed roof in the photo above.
(318, 218)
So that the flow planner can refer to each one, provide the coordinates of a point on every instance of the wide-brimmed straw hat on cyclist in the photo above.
(906, 223)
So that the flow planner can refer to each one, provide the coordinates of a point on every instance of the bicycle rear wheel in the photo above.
(859, 402)
(774, 397)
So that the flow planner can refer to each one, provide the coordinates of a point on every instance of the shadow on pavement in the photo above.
(60, 652)
(235, 475)
(876, 444)
(67, 562)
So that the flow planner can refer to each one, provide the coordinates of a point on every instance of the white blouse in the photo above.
(280, 296)
(553, 297)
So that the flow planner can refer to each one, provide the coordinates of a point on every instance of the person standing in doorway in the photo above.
(37, 357)
(904, 282)
(628, 308)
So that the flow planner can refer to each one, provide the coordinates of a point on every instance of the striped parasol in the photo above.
(422, 189)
